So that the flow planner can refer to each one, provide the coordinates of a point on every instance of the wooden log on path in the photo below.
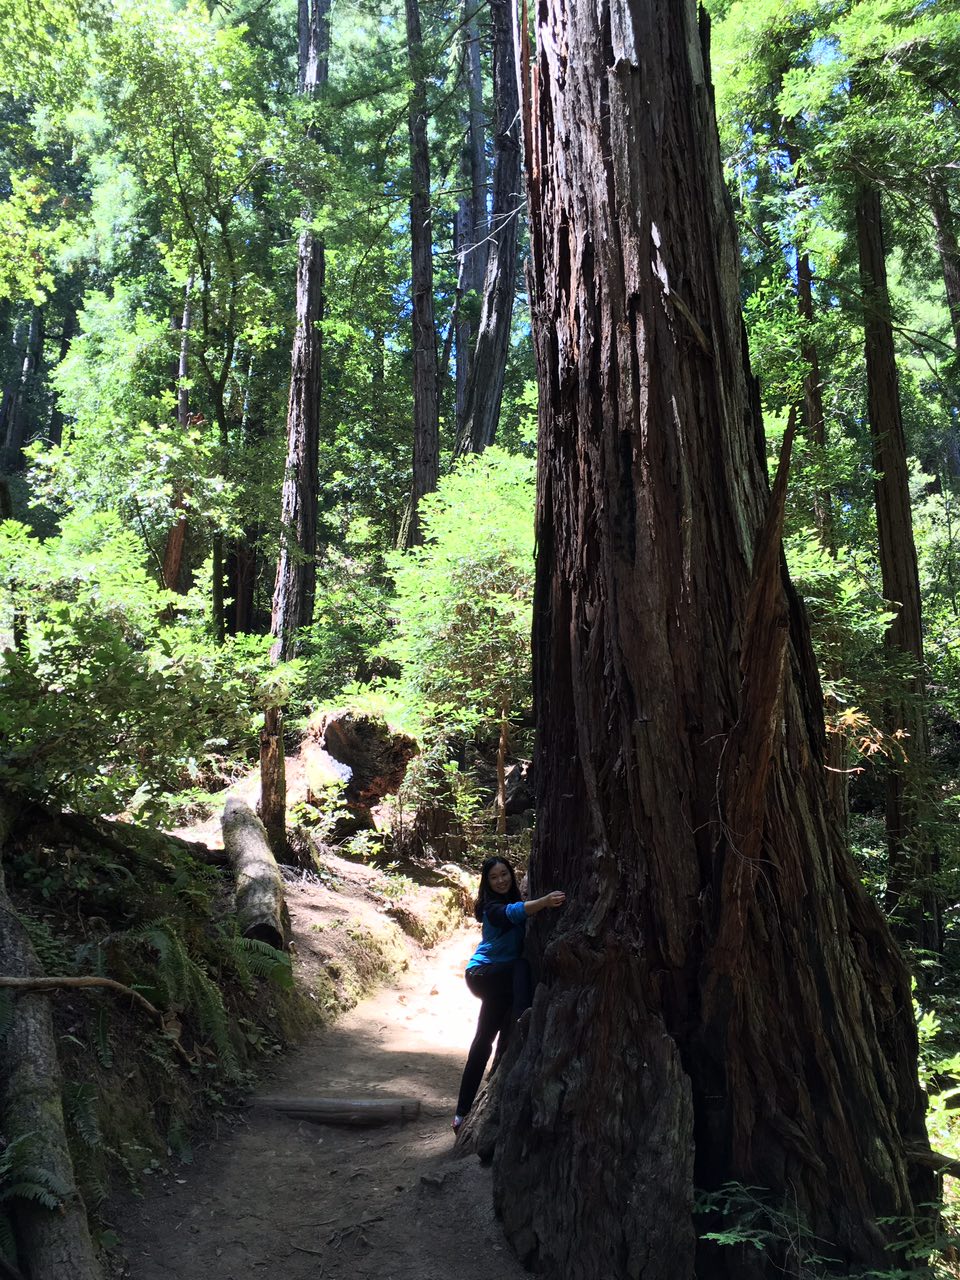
(261, 908)
(354, 1112)
(54, 1243)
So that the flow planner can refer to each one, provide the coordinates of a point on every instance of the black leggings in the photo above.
(504, 992)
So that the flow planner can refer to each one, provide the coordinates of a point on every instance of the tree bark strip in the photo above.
(649, 1068)
(426, 419)
(912, 895)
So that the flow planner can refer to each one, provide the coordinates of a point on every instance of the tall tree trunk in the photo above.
(296, 566)
(912, 896)
(484, 392)
(177, 535)
(838, 753)
(426, 417)
(243, 558)
(295, 584)
(502, 772)
(12, 384)
(472, 207)
(22, 404)
(68, 332)
(949, 251)
(53, 1243)
(720, 1001)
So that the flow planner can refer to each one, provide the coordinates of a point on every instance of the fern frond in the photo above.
(8, 1243)
(80, 1102)
(22, 1178)
(264, 961)
(6, 1013)
(104, 1047)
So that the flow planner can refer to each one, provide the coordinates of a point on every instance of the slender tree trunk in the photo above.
(19, 412)
(949, 251)
(177, 536)
(484, 391)
(837, 761)
(720, 1001)
(426, 419)
(472, 210)
(502, 773)
(67, 333)
(243, 559)
(12, 384)
(912, 896)
(295, 584)
(296, 566)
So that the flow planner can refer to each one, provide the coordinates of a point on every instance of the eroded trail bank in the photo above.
(272, 1195)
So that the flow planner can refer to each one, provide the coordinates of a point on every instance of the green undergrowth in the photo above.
(113, 901)
(747, 1220)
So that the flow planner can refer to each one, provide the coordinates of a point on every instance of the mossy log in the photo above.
(53, 1243)
(355, 1112)
(261, 909)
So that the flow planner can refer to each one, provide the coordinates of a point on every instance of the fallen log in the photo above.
(55, 1243)
(354, 1112)
(261, 909)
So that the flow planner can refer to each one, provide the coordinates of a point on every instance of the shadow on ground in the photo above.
(279, 1197)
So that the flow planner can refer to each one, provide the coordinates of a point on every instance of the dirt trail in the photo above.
(310, 1202)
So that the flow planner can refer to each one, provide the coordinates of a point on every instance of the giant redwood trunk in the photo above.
(484, 391)
(426, 413)
(296, 564)
(912, 894)
(719, 999)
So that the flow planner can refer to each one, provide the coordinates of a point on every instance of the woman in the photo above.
(497, 972)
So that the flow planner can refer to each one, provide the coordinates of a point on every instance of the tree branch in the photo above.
(84, 983)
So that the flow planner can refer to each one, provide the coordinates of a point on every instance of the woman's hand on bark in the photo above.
(555, 898)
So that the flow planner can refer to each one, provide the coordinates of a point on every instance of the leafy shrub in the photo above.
(101, 699)
(462, 610)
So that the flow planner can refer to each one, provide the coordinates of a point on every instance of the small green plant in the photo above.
(22, 1178)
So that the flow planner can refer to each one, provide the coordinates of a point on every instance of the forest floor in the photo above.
(267, 1194)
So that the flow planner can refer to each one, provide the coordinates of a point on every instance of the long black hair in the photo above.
(486, 894)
